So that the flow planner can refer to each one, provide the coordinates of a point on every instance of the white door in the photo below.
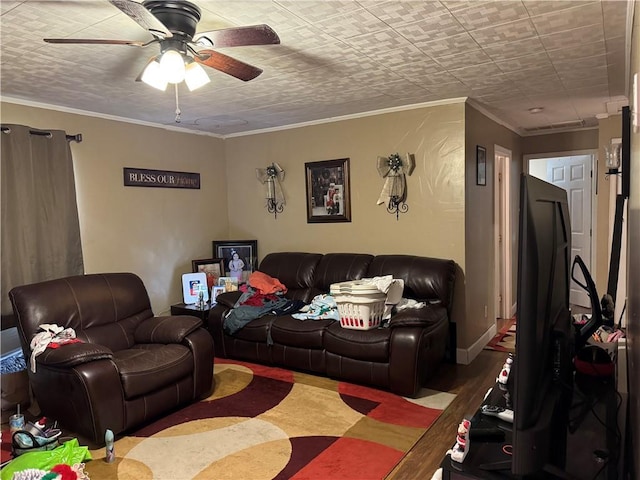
(502, 234)
(574, 175)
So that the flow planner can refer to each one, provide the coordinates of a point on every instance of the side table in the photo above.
(193, 310)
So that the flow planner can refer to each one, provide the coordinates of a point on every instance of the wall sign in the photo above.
(140, 177)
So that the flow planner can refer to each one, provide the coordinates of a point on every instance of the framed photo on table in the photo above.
(230, 284)
(213, 268)
(328, 191)
(215, 291)
(240, 257)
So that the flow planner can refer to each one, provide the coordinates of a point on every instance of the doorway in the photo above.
(503, 299)
(573, 173)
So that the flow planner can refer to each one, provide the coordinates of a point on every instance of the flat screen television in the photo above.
(543, 369)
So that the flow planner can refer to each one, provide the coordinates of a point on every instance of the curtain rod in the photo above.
(71, 138)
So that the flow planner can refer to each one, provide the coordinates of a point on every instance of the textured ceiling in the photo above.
(336, 58)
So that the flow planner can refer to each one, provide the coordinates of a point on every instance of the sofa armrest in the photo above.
(73, 354)
(170, 329)
(426, 316)
(228, 299)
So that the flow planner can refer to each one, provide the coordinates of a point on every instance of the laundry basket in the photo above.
(360, 304)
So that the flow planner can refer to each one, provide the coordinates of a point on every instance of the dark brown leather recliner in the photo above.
(130, 367)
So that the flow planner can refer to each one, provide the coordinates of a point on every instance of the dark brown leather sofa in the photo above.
(130, 367)
(399, 358)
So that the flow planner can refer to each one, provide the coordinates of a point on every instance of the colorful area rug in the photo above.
(505, 339)
(270, 423)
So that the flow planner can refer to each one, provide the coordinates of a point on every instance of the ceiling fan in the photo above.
(173, 25)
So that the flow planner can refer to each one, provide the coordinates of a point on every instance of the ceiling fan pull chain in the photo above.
(178, 112)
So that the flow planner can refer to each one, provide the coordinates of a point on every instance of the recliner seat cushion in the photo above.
(368, 345)
(256, 330)
(292, 332)
(149, 367)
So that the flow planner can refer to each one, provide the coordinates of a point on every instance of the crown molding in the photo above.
(59, 108)
(370, 113)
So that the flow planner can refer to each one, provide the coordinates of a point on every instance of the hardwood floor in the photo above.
(469, 383)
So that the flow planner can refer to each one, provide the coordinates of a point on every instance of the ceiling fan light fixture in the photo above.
(153, 76)
(172, 66)
(195, 76)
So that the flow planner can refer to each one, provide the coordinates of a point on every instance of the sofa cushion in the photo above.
(424, 278)
(292, 332)
(256, 330)
(148, 367)
(340, 267)
(430, 315)
(102, 308)
(294, 269)
(368, 345)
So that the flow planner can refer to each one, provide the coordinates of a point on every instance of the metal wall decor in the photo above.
(394, 191)
(271, 178)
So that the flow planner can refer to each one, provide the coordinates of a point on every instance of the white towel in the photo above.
(52, 333)
(393, 287)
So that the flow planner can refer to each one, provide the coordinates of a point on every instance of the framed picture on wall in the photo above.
(240, 257)
(328, 191)
(481, 165)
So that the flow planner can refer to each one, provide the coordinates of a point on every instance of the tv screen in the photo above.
(543, 360)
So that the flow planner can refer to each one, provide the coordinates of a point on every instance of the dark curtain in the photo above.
(40, 227)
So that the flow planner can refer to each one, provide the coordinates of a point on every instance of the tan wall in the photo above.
(609, 128)
(560, 142)
(153, 232)
(479, 220)
(157, 232)
(434, 224)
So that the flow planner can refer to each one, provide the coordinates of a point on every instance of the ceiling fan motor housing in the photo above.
(173, 25)
(180, 17)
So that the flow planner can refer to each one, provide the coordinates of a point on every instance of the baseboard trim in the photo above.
(466, 356)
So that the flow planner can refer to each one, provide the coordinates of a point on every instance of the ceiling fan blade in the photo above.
(238, 37)
(142, 17)
(95, 41)
(227, 65)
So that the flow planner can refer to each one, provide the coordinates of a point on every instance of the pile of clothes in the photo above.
(265, 295)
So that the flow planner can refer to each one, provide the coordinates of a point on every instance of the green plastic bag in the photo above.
(69, 453)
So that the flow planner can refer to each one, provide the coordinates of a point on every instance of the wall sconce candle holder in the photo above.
(612, 154)
(271, 178)
(274, 207)
(394, 191)
(396, 205)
